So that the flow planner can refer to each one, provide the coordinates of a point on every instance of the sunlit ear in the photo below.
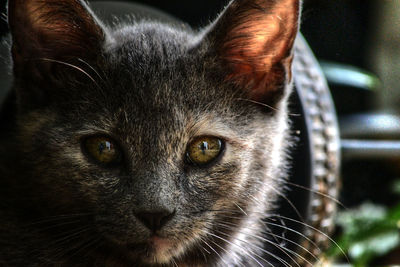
(254, 39)
(52, 29)
(50, 40)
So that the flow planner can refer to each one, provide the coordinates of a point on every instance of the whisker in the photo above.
(205, 242)
(85, 245)
(281, 247)
(227, 224)
(215, 243)
(294, 243)
(74, 233)
(92, 68)
(294, 231)
(263, 250)
(237, 205)
(53, 226)
(99, 243)
(63, 239)
(202, 251)
(57, 218)
(228, 242)
(72, 66)
(289, 201)
(318, 231)
(216, 252)
(258, 103)
(285, 228)
(62, 252)
(272, 224)
(318, 193)
(174, 262)
(202, 240)
(266, 105)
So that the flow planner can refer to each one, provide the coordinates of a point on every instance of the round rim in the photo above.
(323, 142)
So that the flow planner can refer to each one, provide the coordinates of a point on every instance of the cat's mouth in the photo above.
(157, 250)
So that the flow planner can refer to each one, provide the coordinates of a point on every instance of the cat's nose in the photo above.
(155, 220)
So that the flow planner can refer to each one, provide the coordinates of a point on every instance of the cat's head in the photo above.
(167, 140)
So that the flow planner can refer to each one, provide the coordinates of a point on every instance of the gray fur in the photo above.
(152, 88)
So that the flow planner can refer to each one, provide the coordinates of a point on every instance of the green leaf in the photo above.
(370, 247)
(368, 231)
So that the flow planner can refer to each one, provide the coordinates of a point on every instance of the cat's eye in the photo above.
(103, 150)
(204, 150)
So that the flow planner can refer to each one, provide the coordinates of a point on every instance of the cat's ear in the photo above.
(51, 30)
(254, 39)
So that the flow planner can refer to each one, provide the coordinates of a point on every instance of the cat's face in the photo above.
(154, 133)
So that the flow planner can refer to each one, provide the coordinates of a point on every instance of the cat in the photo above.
(145, 144)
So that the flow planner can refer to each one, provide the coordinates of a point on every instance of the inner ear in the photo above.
(254, 39)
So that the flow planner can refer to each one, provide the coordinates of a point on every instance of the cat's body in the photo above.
(147, 92)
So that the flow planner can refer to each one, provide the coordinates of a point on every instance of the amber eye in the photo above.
(204, 150)
(103, 150)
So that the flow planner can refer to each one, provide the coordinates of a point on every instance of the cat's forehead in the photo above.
(153, 60)
(151, 40)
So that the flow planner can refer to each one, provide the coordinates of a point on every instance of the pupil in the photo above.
(104, 146)
(101, 148)
(204, 147)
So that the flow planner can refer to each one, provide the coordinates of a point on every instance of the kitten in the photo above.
(144, 144)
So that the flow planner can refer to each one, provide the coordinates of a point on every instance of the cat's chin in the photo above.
(157, 250)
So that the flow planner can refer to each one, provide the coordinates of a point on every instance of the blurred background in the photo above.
(358, 45)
